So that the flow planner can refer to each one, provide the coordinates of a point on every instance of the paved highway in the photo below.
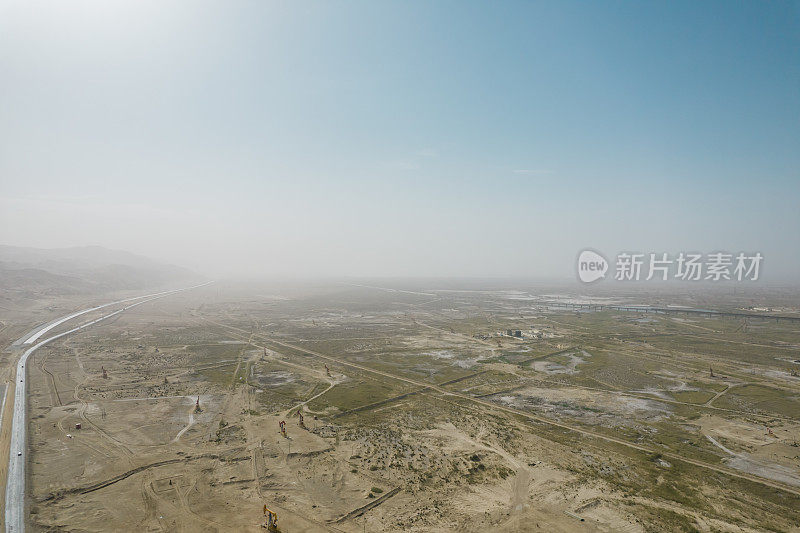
(47, 327)
(17, 457)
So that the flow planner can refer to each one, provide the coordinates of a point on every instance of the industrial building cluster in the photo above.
(532, 333)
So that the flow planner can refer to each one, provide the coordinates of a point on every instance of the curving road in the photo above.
(15, 485)
(31, 338)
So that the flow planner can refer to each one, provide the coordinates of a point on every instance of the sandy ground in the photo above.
(378, 453)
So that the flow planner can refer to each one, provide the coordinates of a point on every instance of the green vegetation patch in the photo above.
(354, 394)
(697, 397)
(761, 398)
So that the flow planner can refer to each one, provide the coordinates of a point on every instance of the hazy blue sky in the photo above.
(401, 138)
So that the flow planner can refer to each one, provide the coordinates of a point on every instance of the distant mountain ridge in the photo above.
(82, 270)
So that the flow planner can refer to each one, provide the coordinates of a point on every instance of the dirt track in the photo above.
(582, 431)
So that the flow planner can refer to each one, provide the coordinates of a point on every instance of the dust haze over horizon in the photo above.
(401, 139)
